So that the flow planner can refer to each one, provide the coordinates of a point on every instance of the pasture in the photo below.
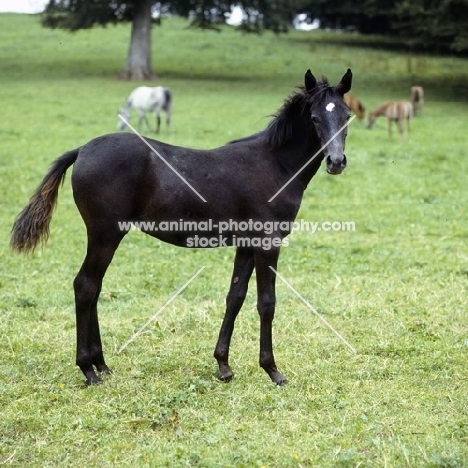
(395, 288)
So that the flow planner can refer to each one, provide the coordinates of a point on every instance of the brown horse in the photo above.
(417, 98)
(395, 112)
(355, 105)
(120, 179)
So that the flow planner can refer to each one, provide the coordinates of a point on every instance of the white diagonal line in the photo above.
(160, 157)
(314, 311)
(134, 337)
(311, 159)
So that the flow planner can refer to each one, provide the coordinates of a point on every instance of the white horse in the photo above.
(145, 99)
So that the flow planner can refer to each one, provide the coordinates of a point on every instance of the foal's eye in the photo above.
(314, 119)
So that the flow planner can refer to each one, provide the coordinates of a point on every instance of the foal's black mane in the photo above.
(279, 130)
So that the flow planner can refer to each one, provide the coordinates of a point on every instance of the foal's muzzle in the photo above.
(335, 165)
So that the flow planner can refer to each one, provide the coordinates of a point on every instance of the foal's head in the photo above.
(317, 117)
(329, 116)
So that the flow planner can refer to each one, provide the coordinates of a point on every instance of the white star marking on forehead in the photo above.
(330, 107)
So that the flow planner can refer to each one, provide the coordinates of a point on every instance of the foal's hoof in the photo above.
(92, 378)
(93, 381)
(278, 379)
(104, 370)
(225, 373)
(225, 377)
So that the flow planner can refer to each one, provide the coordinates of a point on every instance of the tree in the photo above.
(433, 25)
(139, 56)
(439, 26)
(81, 14)
(366, 16)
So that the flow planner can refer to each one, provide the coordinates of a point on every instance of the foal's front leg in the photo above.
(143, 118)
(266, 279)
(243, 267)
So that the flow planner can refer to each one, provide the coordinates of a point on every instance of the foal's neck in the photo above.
(300, 159)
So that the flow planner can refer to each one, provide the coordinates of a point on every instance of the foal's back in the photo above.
(399, 110)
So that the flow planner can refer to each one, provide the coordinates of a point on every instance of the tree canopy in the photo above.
(80, 14)
(434, 25)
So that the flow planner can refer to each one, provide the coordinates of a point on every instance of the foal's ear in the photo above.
(310, 81)
(345, 84)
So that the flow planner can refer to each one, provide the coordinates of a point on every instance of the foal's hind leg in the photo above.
(87, 287)
(157, 116)
(168, 122)
(243, 267)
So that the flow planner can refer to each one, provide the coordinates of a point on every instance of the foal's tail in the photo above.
(32, 224)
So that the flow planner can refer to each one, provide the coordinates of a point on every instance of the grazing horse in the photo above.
(355, 105)
(259, 179)
(395, 112)
(145, 99)
(417, 98)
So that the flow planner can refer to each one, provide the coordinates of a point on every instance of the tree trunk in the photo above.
(138, 66)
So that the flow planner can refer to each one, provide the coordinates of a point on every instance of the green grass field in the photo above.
(395, 288)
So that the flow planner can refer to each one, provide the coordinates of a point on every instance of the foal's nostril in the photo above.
(341, 163)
